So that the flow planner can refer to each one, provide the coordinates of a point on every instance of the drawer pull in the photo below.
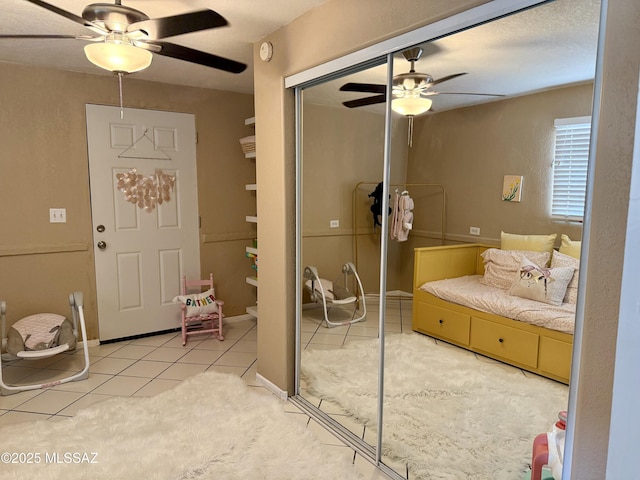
(501, 340)
(441, 321)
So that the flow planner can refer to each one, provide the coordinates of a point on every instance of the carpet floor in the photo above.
(447, 415)
(211, 426)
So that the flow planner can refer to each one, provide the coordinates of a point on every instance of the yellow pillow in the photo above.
(531, 243)
(570, 247)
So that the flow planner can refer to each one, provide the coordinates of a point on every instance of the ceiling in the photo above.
(541, 48)
(537, 49)
(249, 21)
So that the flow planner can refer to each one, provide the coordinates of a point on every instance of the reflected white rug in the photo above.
(211, 426)
(447, 415)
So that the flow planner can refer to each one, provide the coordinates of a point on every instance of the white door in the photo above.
(140, 255)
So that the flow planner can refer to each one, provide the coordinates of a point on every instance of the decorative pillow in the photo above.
(531, 243)
(562, 260)
(501, 266)
(570, 247)
(199, 303)
(547, 285)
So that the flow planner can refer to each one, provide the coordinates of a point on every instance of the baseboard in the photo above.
(90, 343)
(272, 387)
(239, 318)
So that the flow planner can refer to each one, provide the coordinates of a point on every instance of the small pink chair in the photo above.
(201, 312)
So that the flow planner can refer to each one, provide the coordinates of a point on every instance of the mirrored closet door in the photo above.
(342, 157)
(409, 400)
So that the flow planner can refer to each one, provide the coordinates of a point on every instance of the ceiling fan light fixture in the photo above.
(117, 54)
(411, 105)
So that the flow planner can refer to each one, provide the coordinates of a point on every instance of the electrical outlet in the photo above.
(334, 223)
(474, 230)
(57, 215)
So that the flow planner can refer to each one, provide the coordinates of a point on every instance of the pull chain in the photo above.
(410, 131)
(120, 92)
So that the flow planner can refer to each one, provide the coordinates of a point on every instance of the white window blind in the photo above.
(570, 163)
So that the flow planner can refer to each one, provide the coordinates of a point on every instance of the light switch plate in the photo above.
(57, 215)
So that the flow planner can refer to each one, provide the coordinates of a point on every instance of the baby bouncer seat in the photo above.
(42, 336)
(337, 293)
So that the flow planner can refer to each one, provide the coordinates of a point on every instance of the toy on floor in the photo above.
(43, 335)
(336, 293)
(548, 449)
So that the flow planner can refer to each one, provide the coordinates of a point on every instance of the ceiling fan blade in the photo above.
(444, 79)
(179, 24)
(363, 87)
(196, 56)
(69, 15)
(76, 37)
(429, 93)
(361, 102)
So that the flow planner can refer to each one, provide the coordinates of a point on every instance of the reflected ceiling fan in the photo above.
(125, 38)
(410, 90)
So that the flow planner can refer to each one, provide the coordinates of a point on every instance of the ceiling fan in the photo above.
(125, 38)
(410, 90)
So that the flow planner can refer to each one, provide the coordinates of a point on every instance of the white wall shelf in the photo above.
(252, 187)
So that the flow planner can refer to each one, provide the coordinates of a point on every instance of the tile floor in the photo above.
(144, 367)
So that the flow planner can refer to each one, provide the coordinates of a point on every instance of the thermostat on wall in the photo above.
(266, 51)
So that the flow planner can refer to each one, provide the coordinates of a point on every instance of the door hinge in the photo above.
(196, 138)
(199, 221)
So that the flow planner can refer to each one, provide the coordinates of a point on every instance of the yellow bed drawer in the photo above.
(555, 357)
(442, 323)
(505, 342)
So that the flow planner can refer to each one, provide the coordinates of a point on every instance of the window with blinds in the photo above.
(570, 163)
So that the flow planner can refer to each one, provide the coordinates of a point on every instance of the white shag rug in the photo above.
(212, 426)
(447, 415)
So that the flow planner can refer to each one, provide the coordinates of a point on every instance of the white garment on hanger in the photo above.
(402, 221)
(395, 219)
(406, 217)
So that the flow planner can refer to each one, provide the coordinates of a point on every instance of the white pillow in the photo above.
(562, 260)
(547, 285)
(199, 303)
(501, 266)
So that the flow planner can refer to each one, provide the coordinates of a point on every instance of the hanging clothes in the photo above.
(402, 221)
(376, 207)
(395, 218)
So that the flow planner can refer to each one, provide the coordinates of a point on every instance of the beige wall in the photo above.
(44, 164)
(469, 150)
(343, 148)
(355, 24)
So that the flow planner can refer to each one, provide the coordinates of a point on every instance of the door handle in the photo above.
(102, 245)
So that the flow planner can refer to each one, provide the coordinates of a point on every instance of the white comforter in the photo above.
(469, 292)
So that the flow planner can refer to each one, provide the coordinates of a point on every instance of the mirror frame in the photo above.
(369, 56)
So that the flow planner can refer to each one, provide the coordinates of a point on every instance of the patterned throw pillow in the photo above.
(199, 303)
(501, 266)
(547, 285)
(562, 260)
